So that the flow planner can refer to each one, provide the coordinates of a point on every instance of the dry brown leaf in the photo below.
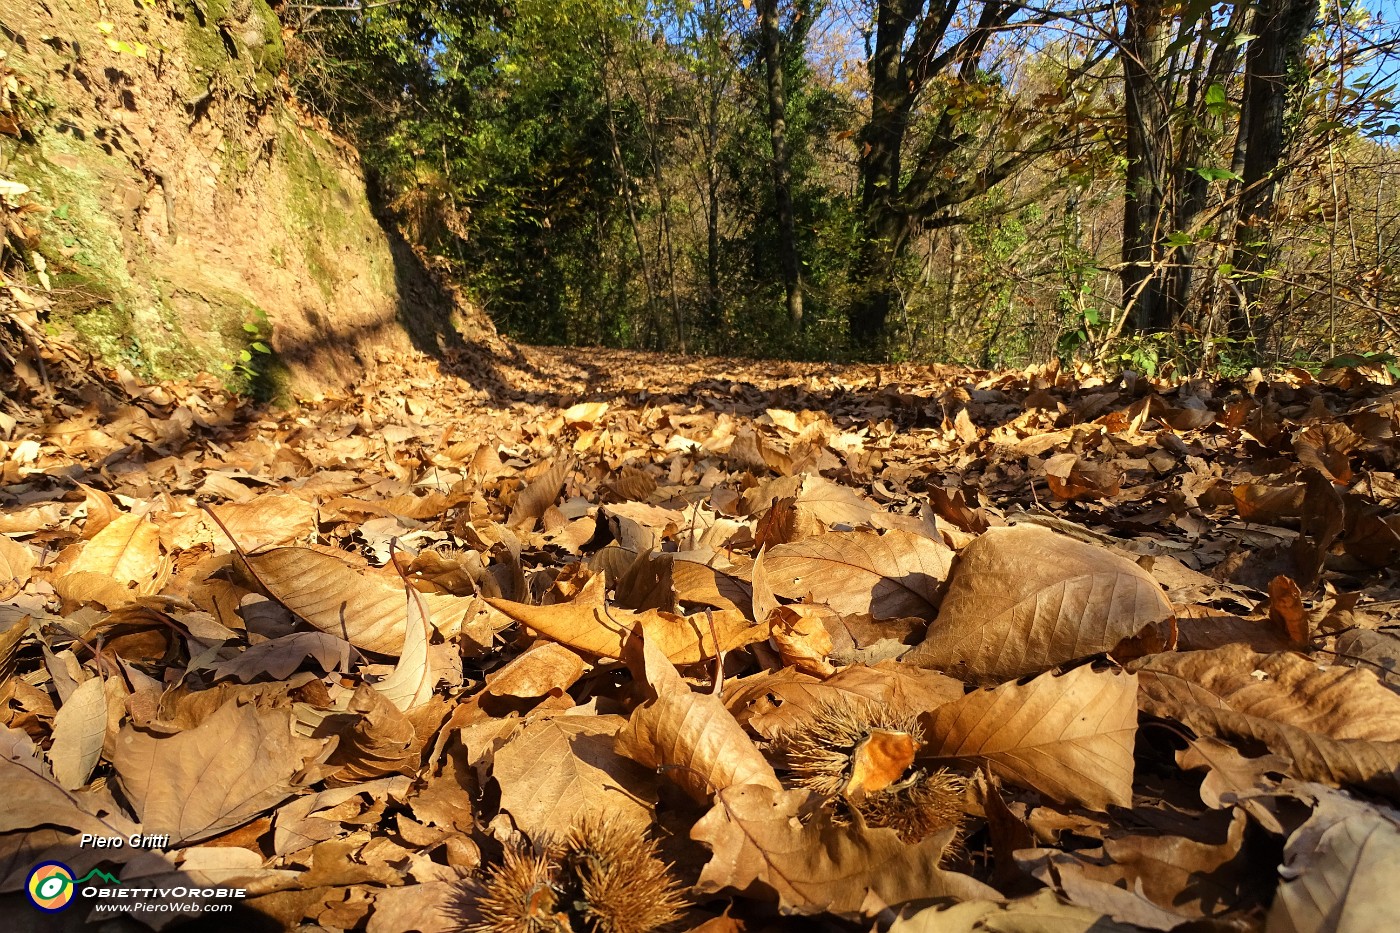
(757, 839)
(33, 798)
(366, 609)
(235, 765)
(544, 669)
(1231, 775)
(588, 625)
(78, 733)
(380, 741)
(16, 563)
(1077, 880)
(410, 685)
(1286, 610)
(1338, 725)
(559, 770)
(1074, 479)
(1339, 869)
(1042, 912)
(537, 497)
(785, 700)
(888, 576)
(279, 657)
(127, 550)
(1024, 599)
(691, 735)
(1069, 736)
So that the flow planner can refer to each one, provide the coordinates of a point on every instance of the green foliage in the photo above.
(599, 172)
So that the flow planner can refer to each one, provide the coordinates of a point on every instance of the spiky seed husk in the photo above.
(602, 877)
(930, 803)
(626, 888)
(820, 752)
(520, 896)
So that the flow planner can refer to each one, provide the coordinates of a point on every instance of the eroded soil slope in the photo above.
(183, 215)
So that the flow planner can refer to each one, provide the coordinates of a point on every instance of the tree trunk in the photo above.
(1145, 208)
(1198, 141)
(772, 52)
(1274, 73)
(881, 141)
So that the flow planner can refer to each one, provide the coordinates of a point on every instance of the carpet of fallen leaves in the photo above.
(632, 641)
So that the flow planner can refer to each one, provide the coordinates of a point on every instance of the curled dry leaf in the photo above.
(1336, 724)
(537, 497)
(16, 563)
(410, 685)
(691, 735)
(888, 575)
(784, 700)
(33, 798)
(1339, 869)
(757, 839)
(238, 763)
(379, 741)
(598, 630)
(558, 771)
(1024, 599)
(1069, 736)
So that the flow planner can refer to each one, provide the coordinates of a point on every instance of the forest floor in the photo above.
(586, 639)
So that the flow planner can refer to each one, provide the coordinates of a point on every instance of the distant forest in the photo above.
(1196, 185)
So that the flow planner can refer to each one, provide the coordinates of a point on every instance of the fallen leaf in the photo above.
(1335, 724)
(1339, 869)
(690, 735)
(196, 783)
(559, 770)
(78, 733)
(1043, 912)
(589, 626)
(366, 609)
(1024, 599)
(1069, 736)
(757, 839)
(888, 576)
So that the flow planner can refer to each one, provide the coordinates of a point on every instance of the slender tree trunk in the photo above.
(1145, 207)
(772, 51)
(1197, 143)
(881, 141)
(1274, 73)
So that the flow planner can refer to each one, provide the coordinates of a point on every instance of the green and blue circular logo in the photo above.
(50, 886)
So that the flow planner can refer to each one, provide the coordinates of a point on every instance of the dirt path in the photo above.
(819, 522)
